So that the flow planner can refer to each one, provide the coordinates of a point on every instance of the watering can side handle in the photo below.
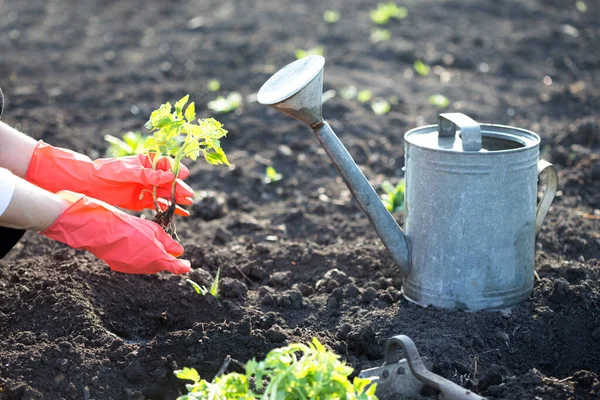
(549, 193)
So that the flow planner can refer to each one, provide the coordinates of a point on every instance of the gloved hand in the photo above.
(117, 181)
(126, 243)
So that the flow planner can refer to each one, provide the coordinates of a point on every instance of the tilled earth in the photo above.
(298, 259)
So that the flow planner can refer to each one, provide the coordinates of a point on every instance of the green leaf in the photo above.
(213, 85)
(187, 373)
(201, 290)
(364, 96)
(438, 100)
(349, 92)
(179, 105)
(190, 112)
(381, 107)
(226, 104)
(385, 11)
(581, 6)
(380, 35)
(331, 16)
(271, 175)
(214, 288)
(421, 68)
(315, 51)
(216, 157)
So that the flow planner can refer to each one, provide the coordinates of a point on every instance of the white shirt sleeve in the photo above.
(7, 188)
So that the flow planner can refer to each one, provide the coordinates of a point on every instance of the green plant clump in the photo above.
(393, 198)
(386, 11)
(176, 134)
(294, 372)
(315, 51)
(131, 144)
(203, 291)
(223, 105)
(271, 175)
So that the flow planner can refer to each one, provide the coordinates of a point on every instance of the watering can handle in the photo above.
(549, 193)
(470, 131)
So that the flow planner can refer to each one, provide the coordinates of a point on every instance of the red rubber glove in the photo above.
(117, 181)
(126, 243)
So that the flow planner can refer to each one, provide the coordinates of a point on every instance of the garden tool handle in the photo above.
(448, 389)
(470, 131)
(549, 193)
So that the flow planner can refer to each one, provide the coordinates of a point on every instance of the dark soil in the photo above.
(298, 258)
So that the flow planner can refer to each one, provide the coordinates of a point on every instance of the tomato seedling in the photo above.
(203, 290)
(131, 144)
(177, 135)
(293, 372)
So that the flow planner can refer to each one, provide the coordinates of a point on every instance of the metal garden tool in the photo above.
(471, 218)
(409, 376)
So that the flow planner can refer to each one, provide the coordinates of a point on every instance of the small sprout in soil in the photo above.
(294, 372)
(380, 35)
(315, 51)
(438, 100)
(203, 291)
(421, 68)
(393, 198)
(223, 105)
(349, 92)
(213, 85)
(176, 134)
(581, 6)
(331, 16)
(385, 11)
(271, 175)
(131, 144)
(381, 107)
(364, 96)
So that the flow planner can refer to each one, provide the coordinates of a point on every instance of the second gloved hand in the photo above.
(118, 181)
(126, 243)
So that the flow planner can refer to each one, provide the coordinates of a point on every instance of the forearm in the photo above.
(30, 206)
(16, 150)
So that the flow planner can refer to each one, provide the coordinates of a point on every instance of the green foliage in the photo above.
(438, 100)
(393, 198)
(203, 291)
(294, 372)
(364, 96)
(315, 51)
(331, 16)
(381, 106)
(386, 11)
(380, 35)
(223, 105)
(421, 68)
(213, 85)
(271, 175)
(349, 92)
(581, 6)
(131, 144)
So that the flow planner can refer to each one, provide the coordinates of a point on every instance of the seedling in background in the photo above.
(331, 16)
(203, 291)
(315, 51)
(168, 127)
(421, 68)
(349, 92)
(364, 96)
(393, 198)
(438, 100)
(131, 144)
(213, 85)
(581, 6)
(223, 105)
(381, 107)
(380, 35)
(294, 372)
(271, 175)
(386, 11)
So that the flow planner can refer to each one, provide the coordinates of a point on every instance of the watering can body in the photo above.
(471, 217)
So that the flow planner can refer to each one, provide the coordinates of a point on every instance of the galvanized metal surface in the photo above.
(470, 199)
(447, 390)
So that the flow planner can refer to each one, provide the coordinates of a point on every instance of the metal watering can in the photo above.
(471, 217)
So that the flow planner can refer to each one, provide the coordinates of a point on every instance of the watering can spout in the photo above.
(296, 90)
